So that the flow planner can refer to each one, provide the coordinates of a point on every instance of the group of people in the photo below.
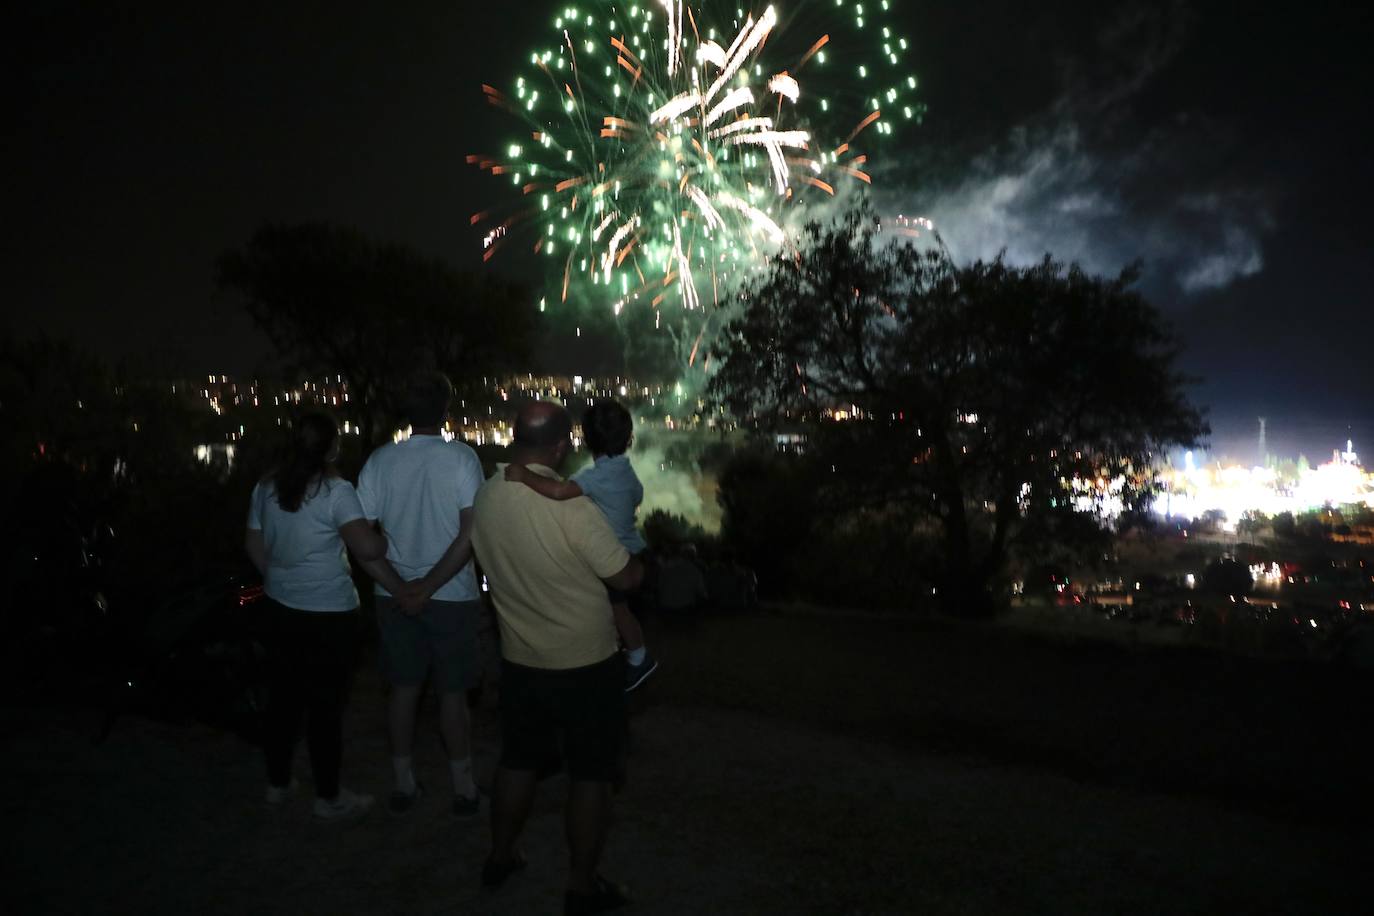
(559, 557)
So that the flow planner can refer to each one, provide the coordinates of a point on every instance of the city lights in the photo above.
(1235, 490)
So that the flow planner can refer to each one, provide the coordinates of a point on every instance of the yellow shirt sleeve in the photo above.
(595, 542)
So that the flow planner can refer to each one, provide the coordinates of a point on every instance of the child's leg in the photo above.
(627, 625)
(639, 664)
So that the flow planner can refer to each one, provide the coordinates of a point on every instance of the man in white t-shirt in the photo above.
(420, 492)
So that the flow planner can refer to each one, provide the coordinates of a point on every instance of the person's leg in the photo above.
(627, 625)
(592, 707)
(488, 660)
(587, 819)
(285, 695)
(451, 632)
(404, 665)
(401, 708)
(456, 728)
(639, 664)
(512, 797)
(528, 740)
(330, 662)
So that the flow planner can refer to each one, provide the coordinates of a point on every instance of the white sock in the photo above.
(462, 777)
(405, 776)
(636, 656)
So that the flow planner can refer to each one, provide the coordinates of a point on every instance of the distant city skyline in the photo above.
(1287, 437)
(1234, 440)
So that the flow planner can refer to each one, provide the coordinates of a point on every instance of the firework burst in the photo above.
(669, 142)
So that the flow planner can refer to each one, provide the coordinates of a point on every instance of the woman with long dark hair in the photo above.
(301, 518)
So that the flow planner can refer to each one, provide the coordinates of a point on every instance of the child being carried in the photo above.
(610, 482)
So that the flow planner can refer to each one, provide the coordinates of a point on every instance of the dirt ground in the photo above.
(781, 764)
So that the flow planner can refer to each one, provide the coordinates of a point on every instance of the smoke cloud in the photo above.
(674, 486)
(1087, 181)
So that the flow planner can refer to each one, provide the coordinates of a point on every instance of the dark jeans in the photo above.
(309, 658)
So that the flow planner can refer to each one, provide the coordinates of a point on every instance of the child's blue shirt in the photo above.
(610, 482)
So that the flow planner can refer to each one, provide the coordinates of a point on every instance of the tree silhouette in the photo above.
(982, 391)
(332, 300)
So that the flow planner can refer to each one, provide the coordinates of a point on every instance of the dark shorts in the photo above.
(576, 715)
(442, 638)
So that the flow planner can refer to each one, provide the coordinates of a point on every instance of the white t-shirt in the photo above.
(416, 488)
(307, 563)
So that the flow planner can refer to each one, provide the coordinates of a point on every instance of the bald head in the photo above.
(542, 427)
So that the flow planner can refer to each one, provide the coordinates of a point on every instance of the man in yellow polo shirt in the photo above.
(548, 563)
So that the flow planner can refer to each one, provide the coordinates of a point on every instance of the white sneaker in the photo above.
(345, 805)
(278, 795)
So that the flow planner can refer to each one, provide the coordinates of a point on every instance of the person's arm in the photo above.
(544, 486)
(590, 535)
(363, 540)
(459, 551)
(256, 546)
(367, 543)
(628, 579)
(457, 555)
(385, 575)
(361, 536)
(381, 570)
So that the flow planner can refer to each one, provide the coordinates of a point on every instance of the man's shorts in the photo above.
(574, 714)
(442, 638)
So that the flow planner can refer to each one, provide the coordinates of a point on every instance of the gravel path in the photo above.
(727, 811)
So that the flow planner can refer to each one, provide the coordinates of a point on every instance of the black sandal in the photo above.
(607, 896)
(494, 874)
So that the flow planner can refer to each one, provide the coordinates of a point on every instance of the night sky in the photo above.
(1215, 142)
